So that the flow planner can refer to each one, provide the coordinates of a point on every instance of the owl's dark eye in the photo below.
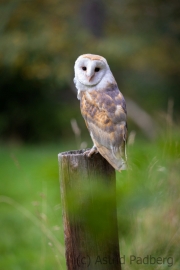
(97, 69)
(84, 68)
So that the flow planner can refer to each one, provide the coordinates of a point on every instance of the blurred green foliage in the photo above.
(40, 40)
(31, 228)
(31, 217)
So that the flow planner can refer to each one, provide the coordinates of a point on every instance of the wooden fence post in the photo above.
(88, 194)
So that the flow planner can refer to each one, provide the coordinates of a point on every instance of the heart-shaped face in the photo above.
(90, 71)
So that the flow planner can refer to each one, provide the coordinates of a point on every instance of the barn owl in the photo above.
(103, 108)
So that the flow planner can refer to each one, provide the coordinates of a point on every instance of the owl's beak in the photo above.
(90, 77)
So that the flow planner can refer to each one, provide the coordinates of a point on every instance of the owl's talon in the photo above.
(90, 152)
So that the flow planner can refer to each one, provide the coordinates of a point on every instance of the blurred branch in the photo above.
(77, 133)
(170, 108)
(93, 16)
(141, 118)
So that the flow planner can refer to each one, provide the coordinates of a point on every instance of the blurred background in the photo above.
(40, 117)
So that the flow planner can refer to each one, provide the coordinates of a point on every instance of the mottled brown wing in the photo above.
(105, 116)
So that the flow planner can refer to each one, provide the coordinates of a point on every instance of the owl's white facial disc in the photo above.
(89, 72)
(92, 73)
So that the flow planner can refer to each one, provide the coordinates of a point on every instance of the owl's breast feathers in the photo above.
(105, 116)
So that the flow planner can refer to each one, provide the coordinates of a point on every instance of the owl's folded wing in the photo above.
(105, 116)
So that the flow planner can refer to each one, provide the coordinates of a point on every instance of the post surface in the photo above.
(90, 230)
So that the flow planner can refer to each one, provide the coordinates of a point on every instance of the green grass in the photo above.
(148, 199)
(148, 204)
(31, 229)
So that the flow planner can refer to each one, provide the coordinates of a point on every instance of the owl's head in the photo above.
(92, 72)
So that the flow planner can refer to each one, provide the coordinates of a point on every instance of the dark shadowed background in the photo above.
(40, 41)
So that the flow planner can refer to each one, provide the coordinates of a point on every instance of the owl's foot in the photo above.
(90, 152)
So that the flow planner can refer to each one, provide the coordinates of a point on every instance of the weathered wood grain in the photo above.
(88, 194)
